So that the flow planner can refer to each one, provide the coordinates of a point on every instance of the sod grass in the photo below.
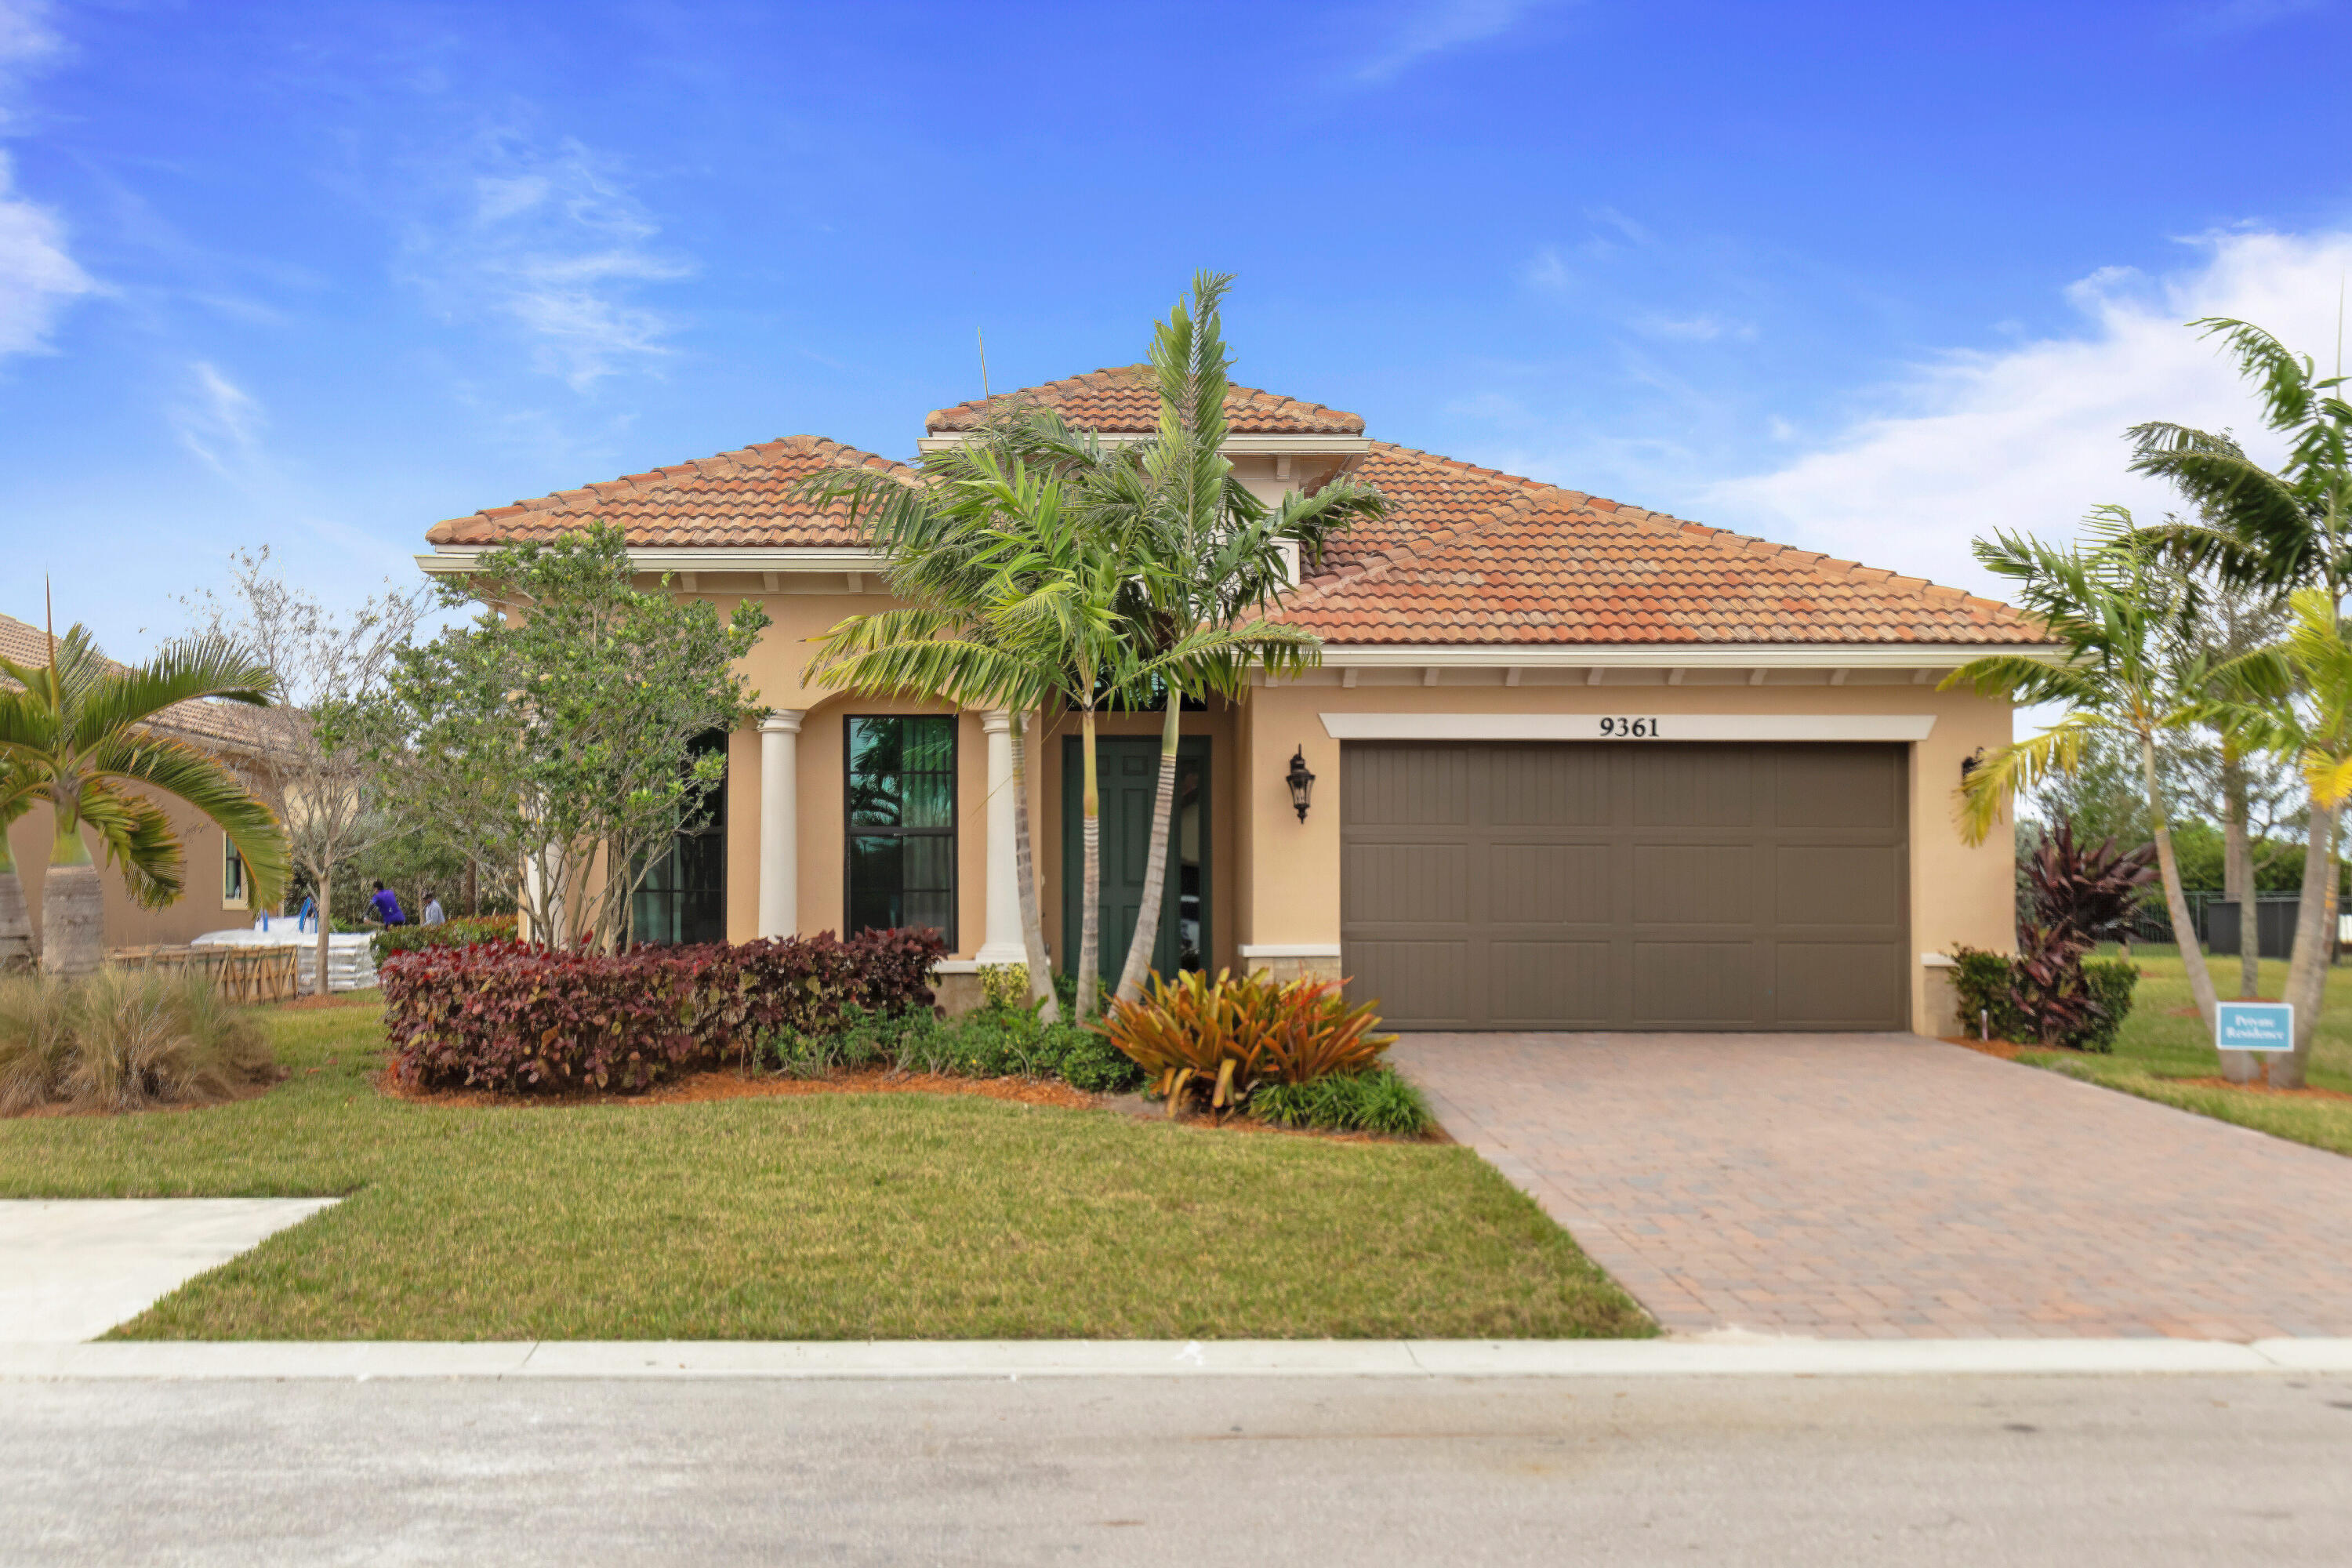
(2164, 1042)
(833, 1216)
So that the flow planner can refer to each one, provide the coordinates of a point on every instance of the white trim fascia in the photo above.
(1713, 656)
(1658, 726)
(458, 559)
(1243, 445)
(1289, 950)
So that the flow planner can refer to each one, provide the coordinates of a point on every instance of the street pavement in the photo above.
(2073, 1470)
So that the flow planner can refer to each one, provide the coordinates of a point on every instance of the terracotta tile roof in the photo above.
(741, 499)
(219, 726)
(1474, 555)
(1125, 399)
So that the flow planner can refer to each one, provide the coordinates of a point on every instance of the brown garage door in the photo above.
(1636, 886)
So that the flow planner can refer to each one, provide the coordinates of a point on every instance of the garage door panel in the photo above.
(1659, 886)
(1418, 985)
(1691, 884)
(1548, 787)
(1838, 985)
(1399, 786)
(1415, 883)
(1693, 984)
(1693, 786)
(1551, 985)
(1838, 885)
(1853, 789)
(1564, 884)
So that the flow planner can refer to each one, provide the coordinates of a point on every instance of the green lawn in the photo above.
(2158, 1048)
(833, 1216)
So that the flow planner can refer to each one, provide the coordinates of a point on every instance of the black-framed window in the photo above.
(683, 897)
(901, 815)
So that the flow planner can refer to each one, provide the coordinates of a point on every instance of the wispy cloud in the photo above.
(28, 40)
(38, 275)
(221, 423)
(2030, 437)
(555, 244)
(1437, 26)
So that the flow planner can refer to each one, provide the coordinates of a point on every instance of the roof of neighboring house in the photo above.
(1473, 556)
(743, 499)
(1125, 400)
(224, 726)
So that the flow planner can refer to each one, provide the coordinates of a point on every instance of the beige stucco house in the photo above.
(214, 896)
(1576, 764)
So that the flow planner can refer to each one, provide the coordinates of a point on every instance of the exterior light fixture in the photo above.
(1970, 764)
(1301, 781)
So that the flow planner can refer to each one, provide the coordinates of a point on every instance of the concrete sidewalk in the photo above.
(1013, 1360)
(71, 1268)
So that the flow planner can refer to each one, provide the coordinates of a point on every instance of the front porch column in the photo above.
(1003, 943)
(780, 856)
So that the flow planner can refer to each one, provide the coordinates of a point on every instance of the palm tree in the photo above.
(2110, 606)
(2286, 530)
(15, 923)
(79, 731)
(2295, 699)
(1210, 554)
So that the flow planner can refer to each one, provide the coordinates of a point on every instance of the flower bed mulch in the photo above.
(726, 1083)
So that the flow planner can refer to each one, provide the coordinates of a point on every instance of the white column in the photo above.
(1003, 944)
(780, 853)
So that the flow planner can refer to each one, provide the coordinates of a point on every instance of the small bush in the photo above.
(123, 1040)
(1004, 984)
(511, 1017)
(1982, 981)
(1221, 1038)
(1379, 1099)
(1993, 981)
(2112, 982)
(464, 932)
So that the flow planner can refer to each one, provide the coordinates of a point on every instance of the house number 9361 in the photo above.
(1628, 729)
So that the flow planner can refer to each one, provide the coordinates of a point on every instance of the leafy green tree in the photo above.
(2285, 530)
(2109, 605)
(555, 730)
(78, 734)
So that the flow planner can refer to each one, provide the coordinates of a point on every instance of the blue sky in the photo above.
(1868, 278)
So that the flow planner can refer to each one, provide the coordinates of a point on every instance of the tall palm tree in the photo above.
(1210, 557)
(2295, 699)
(2110, 606)
(79, 727)
(15, 923)
(2287, 530)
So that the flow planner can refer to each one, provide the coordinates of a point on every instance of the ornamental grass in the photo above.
(122, 1040)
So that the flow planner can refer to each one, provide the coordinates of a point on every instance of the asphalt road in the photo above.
(1916, 1470)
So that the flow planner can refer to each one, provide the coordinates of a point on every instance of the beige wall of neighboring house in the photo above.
(202, 906)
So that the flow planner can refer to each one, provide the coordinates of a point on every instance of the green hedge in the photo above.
(1982, 980)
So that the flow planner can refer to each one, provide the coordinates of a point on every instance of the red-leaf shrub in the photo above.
(509, 1015)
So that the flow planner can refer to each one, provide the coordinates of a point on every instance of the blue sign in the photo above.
(2254, 1026)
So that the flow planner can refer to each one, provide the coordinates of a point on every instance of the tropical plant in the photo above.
(2108, 607)
(2286, 530)
(78, 734)
(2295, 699)
(124, 1039)
(1210, 558)
(1219, 1038)
(1378, 1100)
(16, 947)
(2087, 891)
(557, 731)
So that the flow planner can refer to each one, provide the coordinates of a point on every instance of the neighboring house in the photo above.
(1577, 764)
(214, 896)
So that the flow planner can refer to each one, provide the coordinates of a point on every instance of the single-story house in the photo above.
(1577, 764)
(215, 893)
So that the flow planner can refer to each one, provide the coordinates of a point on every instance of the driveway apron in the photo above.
(1887, 1185)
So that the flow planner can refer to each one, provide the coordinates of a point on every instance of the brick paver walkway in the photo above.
(1887, 1185)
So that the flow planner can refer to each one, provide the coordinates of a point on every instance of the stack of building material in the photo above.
(351, 959)
(243, 973)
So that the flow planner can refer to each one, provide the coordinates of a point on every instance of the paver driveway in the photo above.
(1889, 1185)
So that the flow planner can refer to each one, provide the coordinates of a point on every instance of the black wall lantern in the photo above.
(1970, 764)
(1301, 781)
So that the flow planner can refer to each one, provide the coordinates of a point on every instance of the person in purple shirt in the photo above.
(385, 906)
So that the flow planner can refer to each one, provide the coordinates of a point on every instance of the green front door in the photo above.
(1130, 772)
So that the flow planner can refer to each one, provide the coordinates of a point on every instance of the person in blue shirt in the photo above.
(385, 906)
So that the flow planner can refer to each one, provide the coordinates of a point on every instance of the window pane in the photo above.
(901, 779)
(874, 746)
(929, 800)
(876, 895)
(929, 744)
(873, 800)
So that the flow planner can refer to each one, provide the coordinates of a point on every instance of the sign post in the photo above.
(2248, 1032)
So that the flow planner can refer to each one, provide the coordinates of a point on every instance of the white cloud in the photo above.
(556, 245)
(36, 275)
(1434, 26)
(2031, 437)
(221, 423)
